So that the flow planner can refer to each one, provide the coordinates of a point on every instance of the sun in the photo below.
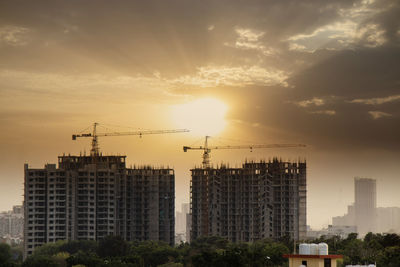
(204, 116)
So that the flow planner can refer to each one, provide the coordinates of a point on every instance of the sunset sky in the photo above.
(322, 73)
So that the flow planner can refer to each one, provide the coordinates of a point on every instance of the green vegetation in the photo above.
(384, 249)
(212, 251)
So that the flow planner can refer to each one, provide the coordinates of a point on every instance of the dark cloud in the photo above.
(335, 82)
(143, 36)
(387, 18)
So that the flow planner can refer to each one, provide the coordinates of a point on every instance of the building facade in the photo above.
(12, 225)
(349, 219)
(290, 198)
(259, 200)
(91, 197)
(365, 205)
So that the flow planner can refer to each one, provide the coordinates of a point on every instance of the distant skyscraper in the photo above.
(180, 220)
(259, 200)
(365, 205)
(90, 197)
(363, 213)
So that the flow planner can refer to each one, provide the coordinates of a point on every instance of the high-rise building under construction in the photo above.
(90, 197)
(259, 200)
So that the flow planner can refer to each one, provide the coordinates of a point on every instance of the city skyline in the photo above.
(324, 75)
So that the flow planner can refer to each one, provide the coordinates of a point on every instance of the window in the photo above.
(327, 262)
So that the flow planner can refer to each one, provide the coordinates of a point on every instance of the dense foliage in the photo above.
(384, 249)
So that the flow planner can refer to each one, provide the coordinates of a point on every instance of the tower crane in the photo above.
(95, 135)
(207, 149)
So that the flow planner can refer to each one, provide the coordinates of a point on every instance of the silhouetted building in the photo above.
(365, 205)
(90, 197)
(259, 200)
(363, 213)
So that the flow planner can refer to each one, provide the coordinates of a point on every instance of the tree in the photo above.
(83, 258)
(112, 246)
(39, 261)
(207, 259)
(390, 240)
(49, 249)
(154, 253)
(171, 264)
(235, 255)
(5, 255)
(353, 251)
(17, 253)
(390, 257)
(72, 247)
(60, 258)
(275, 252)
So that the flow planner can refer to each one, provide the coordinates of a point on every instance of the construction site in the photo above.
(89, 197)
(260, 200)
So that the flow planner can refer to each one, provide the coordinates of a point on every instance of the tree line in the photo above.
(384, 249)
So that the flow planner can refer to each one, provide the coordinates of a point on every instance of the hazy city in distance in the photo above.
(245, 73)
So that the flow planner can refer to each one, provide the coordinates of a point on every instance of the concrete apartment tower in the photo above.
(365, 205)
(91, 197)
(12, 224)
(259, 200)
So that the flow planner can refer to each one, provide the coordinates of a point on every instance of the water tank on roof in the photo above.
(323, 249)
(304, 249)
(313, 249)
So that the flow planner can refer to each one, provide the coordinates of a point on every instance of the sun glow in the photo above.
(204, 116)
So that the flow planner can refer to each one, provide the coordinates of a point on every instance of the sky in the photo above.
(321, 73)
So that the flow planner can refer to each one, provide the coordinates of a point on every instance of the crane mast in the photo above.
(94, 151)
(95, 143)
(207, 149)
(206, 153)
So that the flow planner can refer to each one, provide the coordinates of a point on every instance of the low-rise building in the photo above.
(313, 255)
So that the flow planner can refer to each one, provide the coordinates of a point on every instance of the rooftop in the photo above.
(312, 256)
